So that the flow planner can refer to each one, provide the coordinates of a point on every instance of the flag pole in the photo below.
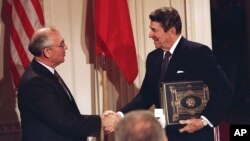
(104, 82)
(104, 87)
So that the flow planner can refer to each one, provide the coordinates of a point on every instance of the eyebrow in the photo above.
(153, 29)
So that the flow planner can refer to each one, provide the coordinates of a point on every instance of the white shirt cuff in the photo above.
(120, 114)
(208, 122)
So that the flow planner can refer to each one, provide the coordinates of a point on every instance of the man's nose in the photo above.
(151, 34)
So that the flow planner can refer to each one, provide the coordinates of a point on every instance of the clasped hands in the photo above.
(109, 121)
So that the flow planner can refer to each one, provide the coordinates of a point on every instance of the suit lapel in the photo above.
(175, 61)
(42, 71)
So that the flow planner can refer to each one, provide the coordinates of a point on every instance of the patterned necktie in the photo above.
(164, 65)
(62, 84)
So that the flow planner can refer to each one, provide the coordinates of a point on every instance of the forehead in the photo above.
(55, 36)
(155, 25)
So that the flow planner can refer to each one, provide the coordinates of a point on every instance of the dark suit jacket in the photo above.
(198, 63)
(47, 114)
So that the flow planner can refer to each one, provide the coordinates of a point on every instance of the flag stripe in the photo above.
(8, 8)
(20, 33)
(16, 58)
(31, 13)
(24, 18)
(39, 11)
(18, 46)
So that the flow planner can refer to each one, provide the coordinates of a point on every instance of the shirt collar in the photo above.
(48, 67)
(174, 45)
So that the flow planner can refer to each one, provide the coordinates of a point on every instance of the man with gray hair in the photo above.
(47, 108)
(139, 126)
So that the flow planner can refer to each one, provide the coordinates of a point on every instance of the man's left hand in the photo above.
(192, 125)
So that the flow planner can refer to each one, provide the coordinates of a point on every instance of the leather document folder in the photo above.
(183, 100)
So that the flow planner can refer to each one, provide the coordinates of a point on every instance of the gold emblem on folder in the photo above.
(183, 100)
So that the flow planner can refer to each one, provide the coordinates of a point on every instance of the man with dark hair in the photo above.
(187, 61)
(47, 107)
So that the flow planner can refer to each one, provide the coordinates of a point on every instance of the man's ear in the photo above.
(172, 30)
(46, 52)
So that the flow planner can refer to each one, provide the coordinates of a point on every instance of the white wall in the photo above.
(67, 16)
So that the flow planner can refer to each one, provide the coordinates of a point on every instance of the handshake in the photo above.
(110, 120)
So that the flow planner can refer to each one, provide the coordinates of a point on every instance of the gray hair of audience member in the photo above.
(41, 40)
(139, 126)
(168, 17)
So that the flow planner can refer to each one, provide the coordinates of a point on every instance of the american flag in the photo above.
(23, 17)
